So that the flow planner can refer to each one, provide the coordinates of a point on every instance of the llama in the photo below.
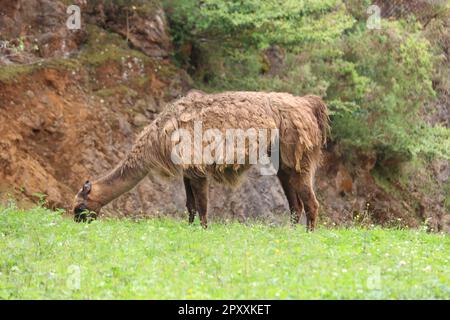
(302, 124)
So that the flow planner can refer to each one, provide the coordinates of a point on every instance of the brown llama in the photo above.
(301, 122)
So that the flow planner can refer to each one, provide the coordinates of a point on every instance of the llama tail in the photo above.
(321, 112)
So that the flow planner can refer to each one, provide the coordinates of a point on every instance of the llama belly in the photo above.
(229, 174)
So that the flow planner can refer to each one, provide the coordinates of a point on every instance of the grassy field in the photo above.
(45, 255)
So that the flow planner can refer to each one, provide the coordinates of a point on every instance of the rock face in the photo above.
(63, 121)
(36, 28)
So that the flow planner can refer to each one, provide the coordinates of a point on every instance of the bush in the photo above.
(375, 81)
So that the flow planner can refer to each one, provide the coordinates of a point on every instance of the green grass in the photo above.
(46, 255)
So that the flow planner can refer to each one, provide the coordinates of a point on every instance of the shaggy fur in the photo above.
(302, 123)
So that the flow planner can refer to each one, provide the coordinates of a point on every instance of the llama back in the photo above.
(230, 115)
(302, 123)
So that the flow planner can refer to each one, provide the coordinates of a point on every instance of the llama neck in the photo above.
(118, 181)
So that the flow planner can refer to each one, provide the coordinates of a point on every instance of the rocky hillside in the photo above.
(72, 102)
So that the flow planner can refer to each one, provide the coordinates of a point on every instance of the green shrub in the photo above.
(375, 81)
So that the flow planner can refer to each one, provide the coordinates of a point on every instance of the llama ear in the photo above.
(86, 188)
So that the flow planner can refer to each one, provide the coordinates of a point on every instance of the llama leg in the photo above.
(200, 191)
(309, 200)
(295, 203)
(190, 202)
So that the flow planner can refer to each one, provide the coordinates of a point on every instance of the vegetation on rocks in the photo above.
(376, 81)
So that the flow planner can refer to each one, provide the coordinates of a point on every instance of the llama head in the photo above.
(85, 208)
